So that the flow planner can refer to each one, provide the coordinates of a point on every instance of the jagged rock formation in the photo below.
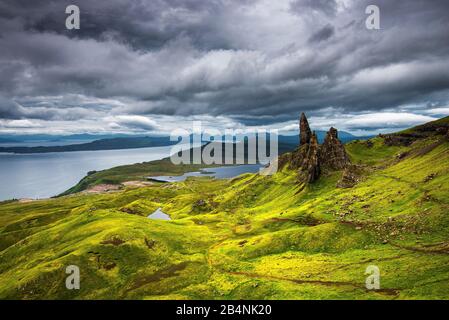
(305, 134)
(310, 159)
(311, 165)
(333, 153)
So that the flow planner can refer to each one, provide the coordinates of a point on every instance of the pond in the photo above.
(218, 173)
(159, 215)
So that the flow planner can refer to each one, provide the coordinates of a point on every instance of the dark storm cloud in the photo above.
(255, 61)
(9, 109)
(323, 34)
(328, 7)
(145, 25)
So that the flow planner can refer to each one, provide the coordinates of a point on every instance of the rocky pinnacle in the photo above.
(305, 134)
(310, 158)
(333, 153)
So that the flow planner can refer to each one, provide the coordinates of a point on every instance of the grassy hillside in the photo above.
(133, 172)
(252, 237)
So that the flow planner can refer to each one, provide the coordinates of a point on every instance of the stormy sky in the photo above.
(152, 66)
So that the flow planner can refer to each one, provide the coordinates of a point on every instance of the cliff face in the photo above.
(310, 159)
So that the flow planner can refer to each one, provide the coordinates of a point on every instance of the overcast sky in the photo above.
(153, 66)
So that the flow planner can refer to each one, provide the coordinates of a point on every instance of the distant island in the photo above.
(286, 143)
(102, 144)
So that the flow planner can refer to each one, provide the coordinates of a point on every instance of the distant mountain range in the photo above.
(102, 144)
(342, 135)
(23, 138)
(116, 142)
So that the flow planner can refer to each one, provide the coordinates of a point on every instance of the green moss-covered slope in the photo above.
(252, 237)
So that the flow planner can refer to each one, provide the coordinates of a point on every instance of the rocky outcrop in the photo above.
(350, 177)
(406, 138)
(305, 134)
(396, 140)
(311, 164)
(333, 153)
(310, 159)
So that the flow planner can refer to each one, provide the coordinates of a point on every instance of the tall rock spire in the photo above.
(305, 134)
(312, 166)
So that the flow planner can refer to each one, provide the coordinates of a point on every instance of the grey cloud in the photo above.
(328, 7)
(323, 34)
(135, 122)
(9, 109)
(183, 58)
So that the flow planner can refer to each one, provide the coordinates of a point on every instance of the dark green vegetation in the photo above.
(252, 237)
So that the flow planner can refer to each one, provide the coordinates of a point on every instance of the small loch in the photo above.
(225, 172)
(159, 215)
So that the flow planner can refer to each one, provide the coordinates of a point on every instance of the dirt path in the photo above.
(389, 292)
(428, 250)
(208, 259)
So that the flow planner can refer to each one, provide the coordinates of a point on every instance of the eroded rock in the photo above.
(305, 134)
(310, 158)
(311, 164)
(333, 153)
(350, 177)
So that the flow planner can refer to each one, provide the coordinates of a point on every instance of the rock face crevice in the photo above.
(311, 159)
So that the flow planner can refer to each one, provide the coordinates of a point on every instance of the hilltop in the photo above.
(288, 236)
